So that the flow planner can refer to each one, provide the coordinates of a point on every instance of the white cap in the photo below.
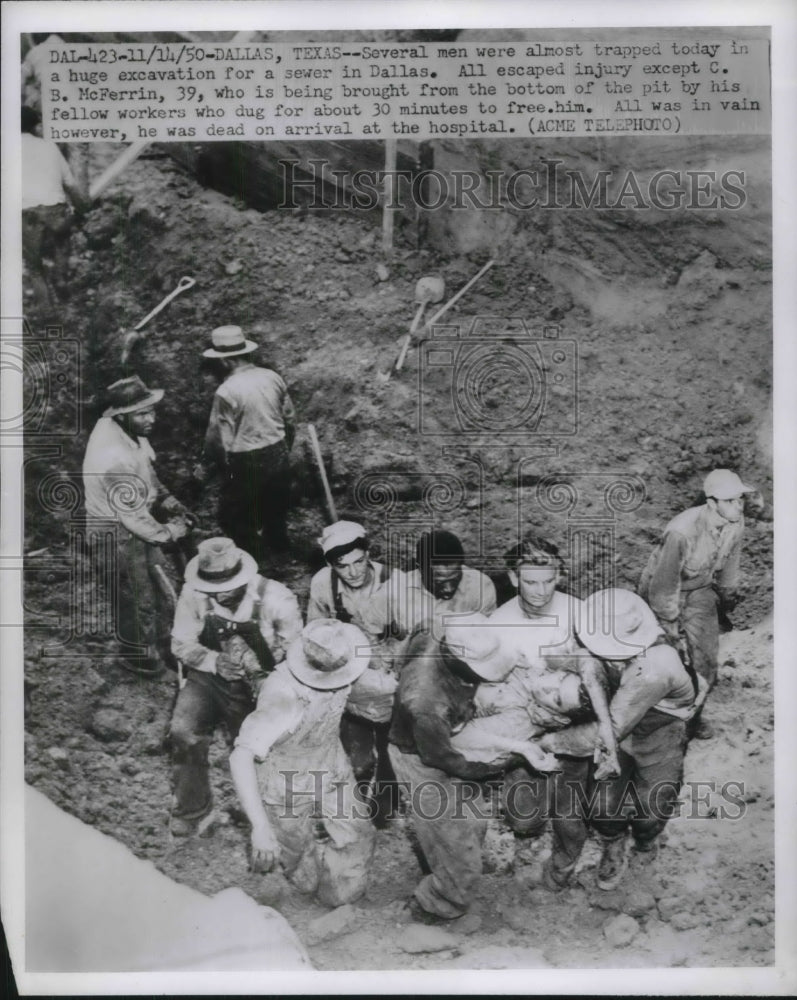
(722, 484)
(340, 533)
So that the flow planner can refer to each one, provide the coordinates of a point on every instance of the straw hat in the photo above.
(616, 624)
(475, 641)
(328, 654)
(219, 565)
(229, 341)
(130, 394)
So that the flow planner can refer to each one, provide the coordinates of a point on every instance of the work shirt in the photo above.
(278, 618)
(355, 600)
(250, 411)
(44, 173)
(431, 704)
(409, 604)
(697, 548)
(656, 679)
(119, 481)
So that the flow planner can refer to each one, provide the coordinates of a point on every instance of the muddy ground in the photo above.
(669, 315)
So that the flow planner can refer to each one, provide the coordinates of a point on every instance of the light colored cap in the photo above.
(475, 641)
(228, 341)
(340, 533)
(219, 565)
(616, 624)
(329, 654)
(722, 484)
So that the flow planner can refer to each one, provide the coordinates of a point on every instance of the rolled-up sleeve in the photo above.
(280, 619)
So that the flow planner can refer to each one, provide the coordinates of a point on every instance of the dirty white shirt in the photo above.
(119, 481)
(250, 410)
(44, 173)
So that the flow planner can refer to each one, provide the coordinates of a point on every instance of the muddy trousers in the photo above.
(336, 867)
(366, 747)
(45, 236)
(699, 619)
(202, 704)
(525, 800)
(128, 576)
(443, 811)
(642, 798)
(253, 506)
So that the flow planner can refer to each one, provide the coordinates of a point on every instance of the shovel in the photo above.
(134, 336)
(428, 289)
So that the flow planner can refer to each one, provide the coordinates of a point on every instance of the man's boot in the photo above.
(613, 862)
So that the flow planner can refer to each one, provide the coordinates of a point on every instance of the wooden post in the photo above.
(388, 189)
(133, 151)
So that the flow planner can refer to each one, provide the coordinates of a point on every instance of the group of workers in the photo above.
(404, 683)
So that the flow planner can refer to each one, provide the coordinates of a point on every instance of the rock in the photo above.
(684, 921)
(271, 889)
(621, 930)
(669, 905)
(382, 272)
(517, 917)
(468, 924)
(612, 900)
(418, 938)
(109, 725)
(638, 902)
(59, 757)
(331, 925)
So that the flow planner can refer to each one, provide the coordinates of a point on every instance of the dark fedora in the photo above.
(130, 394)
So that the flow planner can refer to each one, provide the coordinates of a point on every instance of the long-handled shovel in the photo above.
(333, 514)
(134, 336)
(428, 289)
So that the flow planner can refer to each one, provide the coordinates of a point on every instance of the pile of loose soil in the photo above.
(670, 321)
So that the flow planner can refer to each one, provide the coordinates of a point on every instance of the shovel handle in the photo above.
(333, 514)
(460, 293)
(408, 339)
(182, 286)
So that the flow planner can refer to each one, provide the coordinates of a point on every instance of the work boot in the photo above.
(553, 881)
(704, 731)
(421, 916)
(613, 862)
(647, 848)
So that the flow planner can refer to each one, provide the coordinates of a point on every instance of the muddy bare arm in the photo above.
(593, 677)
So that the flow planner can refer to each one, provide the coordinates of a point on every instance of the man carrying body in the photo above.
(434, 699)
(120, 485)
(250, 433)
(346, 589)
(288, 764)
(655, 695)
(230, 628)
(538, 629)
(694, 570)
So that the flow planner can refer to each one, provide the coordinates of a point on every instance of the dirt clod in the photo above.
(621, 930)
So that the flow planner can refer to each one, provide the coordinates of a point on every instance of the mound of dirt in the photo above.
(664, 323)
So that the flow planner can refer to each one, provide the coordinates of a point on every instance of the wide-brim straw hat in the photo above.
(130, 394)
(477, 643)
(617, 624)
(219, 566)
(329, 654)
(228, 342)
